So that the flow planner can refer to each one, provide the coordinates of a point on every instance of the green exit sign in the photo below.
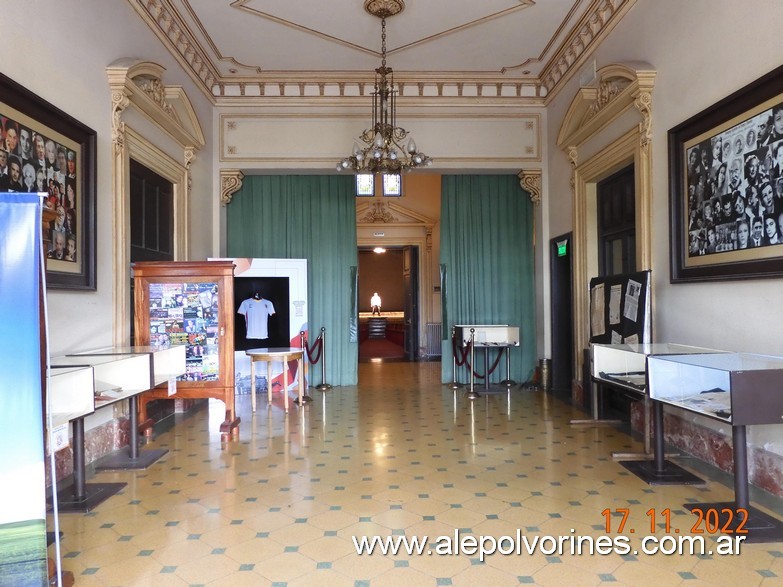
(562, 248)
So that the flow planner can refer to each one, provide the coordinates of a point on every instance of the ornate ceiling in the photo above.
(246, 51)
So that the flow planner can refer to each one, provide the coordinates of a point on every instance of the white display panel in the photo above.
(295, 270)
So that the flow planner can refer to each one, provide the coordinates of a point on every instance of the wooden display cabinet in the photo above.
(189, 303)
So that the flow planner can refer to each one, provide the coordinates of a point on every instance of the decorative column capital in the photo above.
(119, 102)
(573, 156)
(230, 183)
(530, 180)
(643, 103)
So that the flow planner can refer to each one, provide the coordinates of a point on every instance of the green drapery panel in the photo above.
(313, 218)
(486, 252)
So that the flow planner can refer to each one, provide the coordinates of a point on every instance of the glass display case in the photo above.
(189, 303)
(737, 388)
(624, 366)
(111, 379)
(164, 365)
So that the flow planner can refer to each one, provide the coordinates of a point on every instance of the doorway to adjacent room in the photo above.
(392, 273)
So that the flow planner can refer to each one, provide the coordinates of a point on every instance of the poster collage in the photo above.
(187, 313)
(735, 187)
(32, 162)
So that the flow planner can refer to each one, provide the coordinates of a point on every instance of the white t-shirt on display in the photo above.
(256, 313)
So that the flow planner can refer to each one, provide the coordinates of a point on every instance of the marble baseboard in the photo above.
(765, 469)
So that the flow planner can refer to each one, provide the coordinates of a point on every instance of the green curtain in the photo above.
(314, 218)
(486, 252)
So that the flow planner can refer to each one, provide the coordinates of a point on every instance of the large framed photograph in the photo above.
(726, 187)
(43, 149)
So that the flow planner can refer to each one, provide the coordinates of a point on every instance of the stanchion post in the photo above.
(473, 394)
(323, 386)
(305, 361)
(454, 384)
(508, 382)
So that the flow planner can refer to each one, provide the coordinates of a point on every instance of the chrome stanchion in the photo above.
(454, 384)
(305, 360)
(323, 386)
(473, 394)
(508, 382)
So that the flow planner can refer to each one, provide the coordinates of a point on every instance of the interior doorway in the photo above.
(151, 220)
(392, 274)
(560, 254)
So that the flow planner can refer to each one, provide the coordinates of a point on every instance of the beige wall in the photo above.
(702, 53)
(62, 57)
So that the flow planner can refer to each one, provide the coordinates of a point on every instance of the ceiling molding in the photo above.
(203, 61)
(581, 42)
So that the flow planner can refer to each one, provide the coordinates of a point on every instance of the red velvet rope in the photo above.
(310, 350)
(460, 357)
(491, 369)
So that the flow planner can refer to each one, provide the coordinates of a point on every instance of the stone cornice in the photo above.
(584, 37)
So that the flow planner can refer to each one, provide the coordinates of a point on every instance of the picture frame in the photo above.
(29, 127)
(726, 187)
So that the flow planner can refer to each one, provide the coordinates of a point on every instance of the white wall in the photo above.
(703, 51)
(59, 49)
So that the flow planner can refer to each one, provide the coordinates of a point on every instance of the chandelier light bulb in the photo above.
(377, 154)
(411, 147)
(393, 155)
(378, 141)
(417, 159)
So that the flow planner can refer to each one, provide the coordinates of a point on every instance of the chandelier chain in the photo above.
(383, 43)
(381, 149)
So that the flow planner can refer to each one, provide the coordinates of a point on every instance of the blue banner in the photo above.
(22, 476)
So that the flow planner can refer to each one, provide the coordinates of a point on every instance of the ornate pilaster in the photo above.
(573, 158)
(230, 183)
(643, 103)
(190, 157)
(119, 102)
(530, 180)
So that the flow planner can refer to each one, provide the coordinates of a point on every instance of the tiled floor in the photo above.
(398, 455)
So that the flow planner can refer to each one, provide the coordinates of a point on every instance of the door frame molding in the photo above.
(619, 89)
(137, 85)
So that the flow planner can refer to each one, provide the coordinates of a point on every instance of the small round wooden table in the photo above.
(269, 355)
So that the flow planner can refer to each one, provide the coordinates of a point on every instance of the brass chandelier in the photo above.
(381, 149)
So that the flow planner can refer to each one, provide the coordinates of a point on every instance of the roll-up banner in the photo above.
(22, 478)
